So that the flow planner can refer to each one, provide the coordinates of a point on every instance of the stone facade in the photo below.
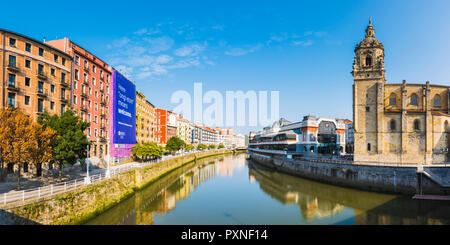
(403, 123)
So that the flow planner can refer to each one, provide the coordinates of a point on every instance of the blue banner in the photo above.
(123, 110)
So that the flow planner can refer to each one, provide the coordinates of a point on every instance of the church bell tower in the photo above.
(368, 99)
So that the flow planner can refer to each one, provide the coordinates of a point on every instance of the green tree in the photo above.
(212, 146)
(174, 144)
(146, 151)
(189, 147)
(201, 147)
(221, 146)
(71, 142)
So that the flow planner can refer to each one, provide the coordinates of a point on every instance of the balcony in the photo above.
(42, 92)
(13, 67)
(64, 99)
(13, 87)
(42, 75)
(65, 83)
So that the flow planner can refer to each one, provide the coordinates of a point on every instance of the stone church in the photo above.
(396, 122)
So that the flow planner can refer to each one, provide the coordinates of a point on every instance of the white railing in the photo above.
(49, 190)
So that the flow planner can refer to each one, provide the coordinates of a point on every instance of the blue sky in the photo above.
(304, 49)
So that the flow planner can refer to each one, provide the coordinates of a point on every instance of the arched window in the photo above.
(417, 124)
(414, 99)
(368, 60)
(437, 100)
(392, 125)
(392, 99)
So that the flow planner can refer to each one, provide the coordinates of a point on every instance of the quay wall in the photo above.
(81, 205)
(402, 180)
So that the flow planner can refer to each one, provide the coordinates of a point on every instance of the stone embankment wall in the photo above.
(388, 179)
(80, 205)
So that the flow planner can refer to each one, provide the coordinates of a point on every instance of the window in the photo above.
(11, 80)
(89, 132)
(63, 93)
(52, 88)
(367, 108)
(12, 99)
(368, 60)
(96, 94)
(52, 105)
(55, 58)
(27, 81)
(12, 61)
(437, 100)
(392, 124)
(41, 52)
(94, 68)
(368, 147)
(86, 65)
(74, 99)
(63, 77)
(89, 104)
(12, 42)
(40, 105)
(89, 117)
(95, 132)
(63, 107)
(90, 91)
(28, 47)
(75, 85)
(414, 99)
(40, 69)
(416, 124)
(93, 81)
(76, 74)
(40, 87)
(392, 99)
(63, 61)
(28, 63)
(27, 100)
(95, 118)
(77, 59)
(52, 71)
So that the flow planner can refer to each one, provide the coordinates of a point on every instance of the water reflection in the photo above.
(236, 191)
(317, 200)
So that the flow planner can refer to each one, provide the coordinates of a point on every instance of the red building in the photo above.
(90, 93)
(166, 125)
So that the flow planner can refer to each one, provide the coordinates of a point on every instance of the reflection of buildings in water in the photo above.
(225, 167)
(251, 178)
(178, 190)
(311, 206)
(313, 209)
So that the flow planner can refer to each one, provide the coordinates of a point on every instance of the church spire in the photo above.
(370, 31)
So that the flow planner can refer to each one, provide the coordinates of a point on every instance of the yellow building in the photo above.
(145, 120)
(35, 76)
(184, 129)
(401, 123)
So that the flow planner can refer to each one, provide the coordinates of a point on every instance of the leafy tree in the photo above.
(174, 144)
(201, 147)
(189, 147)
(42, 149)
(16, 138)
(212, 146)
(71, 142)
(147, 150)
(221, 146)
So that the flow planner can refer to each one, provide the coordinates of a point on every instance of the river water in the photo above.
(233, 190)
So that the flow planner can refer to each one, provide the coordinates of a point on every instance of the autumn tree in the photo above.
(16, 138)
(42, 149)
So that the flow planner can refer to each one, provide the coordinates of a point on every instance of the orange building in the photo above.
(35, 77)
(90, 93)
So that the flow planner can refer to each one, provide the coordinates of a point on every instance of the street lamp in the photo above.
(87, 179)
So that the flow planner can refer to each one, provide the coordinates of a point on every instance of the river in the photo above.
(233, 190)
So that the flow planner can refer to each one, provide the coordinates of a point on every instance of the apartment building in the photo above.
(145, 119)
(35, 77)
(90, 97)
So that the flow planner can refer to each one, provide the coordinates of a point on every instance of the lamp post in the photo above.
(87, 179)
